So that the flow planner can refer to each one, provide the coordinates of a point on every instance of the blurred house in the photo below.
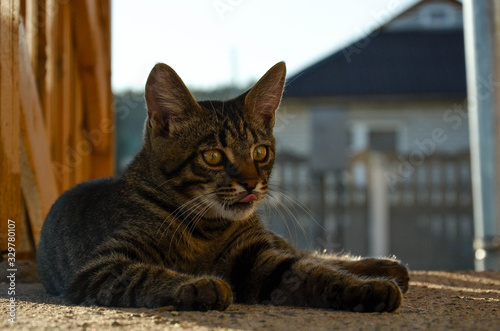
(374, 141)
(402, 86)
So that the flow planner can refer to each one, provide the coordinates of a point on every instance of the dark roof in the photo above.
(388, 63)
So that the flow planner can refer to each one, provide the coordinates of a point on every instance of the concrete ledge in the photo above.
(437, 300)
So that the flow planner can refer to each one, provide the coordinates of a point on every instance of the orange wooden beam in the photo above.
(10, 188)
(67, 105)
(52, 107)
(38, 179)
(93, 58)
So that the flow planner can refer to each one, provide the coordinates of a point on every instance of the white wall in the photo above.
(293, 128)
(436, 15)
(442, 126)
(435, 126)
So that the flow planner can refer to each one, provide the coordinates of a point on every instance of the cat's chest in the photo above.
(200, 255)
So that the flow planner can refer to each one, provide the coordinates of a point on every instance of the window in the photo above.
(378, 135)
(382, 141)
(438, 15)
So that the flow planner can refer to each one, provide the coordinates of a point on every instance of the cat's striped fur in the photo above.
(179, 227)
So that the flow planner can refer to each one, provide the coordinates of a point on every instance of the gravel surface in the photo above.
(436, 300)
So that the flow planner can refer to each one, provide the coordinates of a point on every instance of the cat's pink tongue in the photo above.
(249, 198)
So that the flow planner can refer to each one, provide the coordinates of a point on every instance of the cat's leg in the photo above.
(117, 281)
(366, 267)
(268, 275)
(371, 267)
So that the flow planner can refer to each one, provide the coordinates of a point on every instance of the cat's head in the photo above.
(215, 157)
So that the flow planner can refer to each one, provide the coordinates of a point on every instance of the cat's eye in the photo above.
(260, 153)
(213, 157)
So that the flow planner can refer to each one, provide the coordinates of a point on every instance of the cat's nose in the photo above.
(249, 183)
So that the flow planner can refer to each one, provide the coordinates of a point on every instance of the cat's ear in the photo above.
(167, 99)
(265, 96)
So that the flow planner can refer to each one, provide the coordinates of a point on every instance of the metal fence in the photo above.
(418, 209)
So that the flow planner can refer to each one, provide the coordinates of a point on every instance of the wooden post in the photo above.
(94, 65)
(10, 188)
(321, 236)
(378, 207)
(54, 85)
(67, 101)
(35, 24)
(38, 180)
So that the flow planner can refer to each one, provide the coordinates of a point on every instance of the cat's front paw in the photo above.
(372, 296)
(204, 294)
(392, 269)
(387, 268)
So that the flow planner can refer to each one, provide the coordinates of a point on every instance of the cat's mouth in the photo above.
(248, 198)
(244, 203)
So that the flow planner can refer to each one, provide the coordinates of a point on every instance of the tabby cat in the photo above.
(179, 227)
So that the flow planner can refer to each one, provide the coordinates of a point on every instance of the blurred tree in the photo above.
(130, 115)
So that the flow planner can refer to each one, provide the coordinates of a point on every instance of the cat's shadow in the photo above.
(236, 316)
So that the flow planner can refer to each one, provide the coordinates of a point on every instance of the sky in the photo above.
(212, 43)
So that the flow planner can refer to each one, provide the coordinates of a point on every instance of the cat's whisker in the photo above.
(198, 217)
(296, 202)
(197, 213)
(175, 214)
(182, 223)
(276, 205)
(193, 223)
(293, 213)
(188, 221)
(164, 182)
(180, 212)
